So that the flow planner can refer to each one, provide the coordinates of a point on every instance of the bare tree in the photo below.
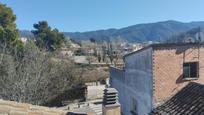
(36, 76)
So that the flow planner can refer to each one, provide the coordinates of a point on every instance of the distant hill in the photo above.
(159, 31)
(193, 35)
(26, 33)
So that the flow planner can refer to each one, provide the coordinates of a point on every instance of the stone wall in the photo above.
(14, 108)
(168, 69)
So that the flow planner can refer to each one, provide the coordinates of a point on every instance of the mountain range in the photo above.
(193, 35)
(159, 31)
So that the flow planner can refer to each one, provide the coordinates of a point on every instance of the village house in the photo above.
(24, 40)
(154, 74)
(67, 52)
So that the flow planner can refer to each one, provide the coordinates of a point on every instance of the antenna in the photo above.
(199, 36)
(199, 41)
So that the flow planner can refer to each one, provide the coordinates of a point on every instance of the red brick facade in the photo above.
(168, 69)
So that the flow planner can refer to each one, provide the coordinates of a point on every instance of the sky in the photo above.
(88, 15)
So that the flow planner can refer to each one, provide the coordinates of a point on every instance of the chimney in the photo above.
(111, 105)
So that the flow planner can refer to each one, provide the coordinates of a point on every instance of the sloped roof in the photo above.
(188, 101)
(164, 45)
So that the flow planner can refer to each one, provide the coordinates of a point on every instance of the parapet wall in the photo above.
(15, 108)
(116, 73)
(117, 81)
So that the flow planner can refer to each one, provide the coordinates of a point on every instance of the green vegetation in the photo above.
(8, 31)
(47, 38)
(37, 75)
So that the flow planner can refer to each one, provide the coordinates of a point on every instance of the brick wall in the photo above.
(14, 108)
(168, 69)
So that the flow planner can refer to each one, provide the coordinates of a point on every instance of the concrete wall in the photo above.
(136, 82)
(95, 92)
(115, 110)
(117, 80)
(168, 69)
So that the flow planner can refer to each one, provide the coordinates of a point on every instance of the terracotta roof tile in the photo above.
(188, 101)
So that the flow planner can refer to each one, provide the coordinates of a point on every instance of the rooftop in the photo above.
(15, 108)
(188, 101)
(165, 45)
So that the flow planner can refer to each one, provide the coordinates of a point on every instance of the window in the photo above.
(190, 70)
(133, 107)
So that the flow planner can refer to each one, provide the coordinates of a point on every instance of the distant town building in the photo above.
(68, 52)
(23, 39)
(137, 46)
(81, 60)
(152, 75)
(74, 45)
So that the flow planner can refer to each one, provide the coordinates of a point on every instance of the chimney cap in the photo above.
(110, 90)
